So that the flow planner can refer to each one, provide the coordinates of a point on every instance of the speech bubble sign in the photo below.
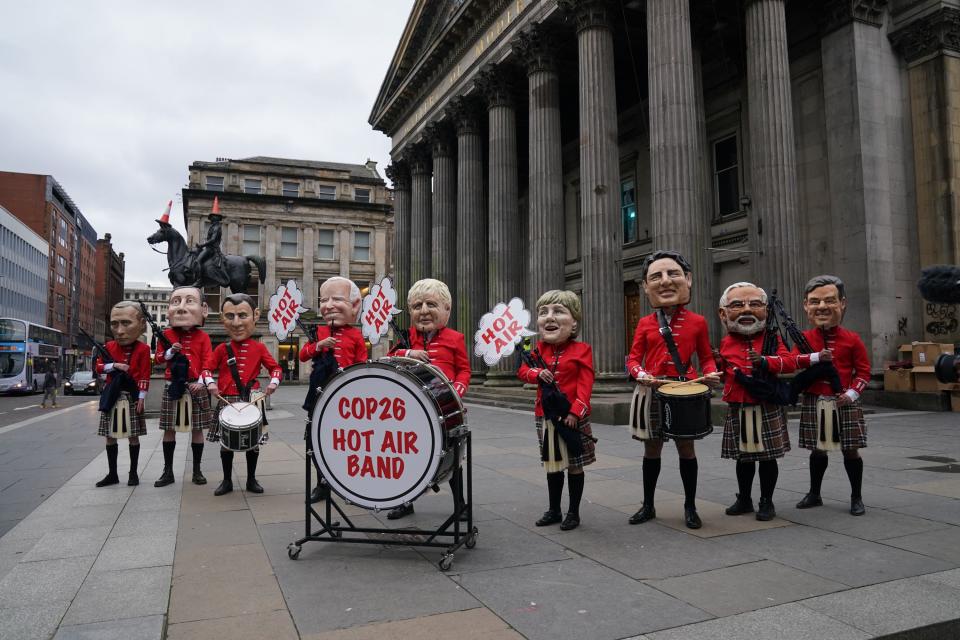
(379, 306)
(500, 330)
(285, 308)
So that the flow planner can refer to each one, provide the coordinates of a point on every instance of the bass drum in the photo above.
(384, 432)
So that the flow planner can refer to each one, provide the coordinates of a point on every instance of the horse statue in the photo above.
(184, 270)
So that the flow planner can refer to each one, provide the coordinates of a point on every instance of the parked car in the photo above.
(83, 382)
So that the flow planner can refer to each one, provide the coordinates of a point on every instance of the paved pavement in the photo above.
(179, 563)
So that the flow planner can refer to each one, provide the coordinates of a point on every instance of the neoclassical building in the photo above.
(539, 144)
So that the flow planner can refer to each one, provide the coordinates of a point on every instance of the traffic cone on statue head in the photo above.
(165, 218)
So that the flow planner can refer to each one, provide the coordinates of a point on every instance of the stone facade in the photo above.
(769, 141)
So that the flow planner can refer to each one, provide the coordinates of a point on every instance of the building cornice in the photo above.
(835, 14)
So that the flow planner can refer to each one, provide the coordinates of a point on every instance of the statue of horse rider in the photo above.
(210, 258)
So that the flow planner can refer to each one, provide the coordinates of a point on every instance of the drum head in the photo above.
(240, 415)
(679, 389)
(377, 435)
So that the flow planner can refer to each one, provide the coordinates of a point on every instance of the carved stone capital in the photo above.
(834, 14)
(494, 84)
(931, 34)
(465, 113)
(399, 174)
(440, 137)
(537, 48)
(589, 14)
(420, 160)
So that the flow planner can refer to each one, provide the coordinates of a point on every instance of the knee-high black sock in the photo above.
(226, 461)
(252, 456)
(854, 467)
(745, 472)
(576, 492)
(818, 467)
(112, 450)
(197, 449)
(688, 475)
(651, 471)
(134, 457)
(555, 489)
(168, 448)
(769, 472)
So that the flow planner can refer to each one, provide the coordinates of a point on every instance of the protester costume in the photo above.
(195, 345)
(137, 355)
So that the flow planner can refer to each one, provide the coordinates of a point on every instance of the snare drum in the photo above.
(241, 425)
(386, 431)
(685, 410)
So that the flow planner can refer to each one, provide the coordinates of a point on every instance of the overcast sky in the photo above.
(116, 99)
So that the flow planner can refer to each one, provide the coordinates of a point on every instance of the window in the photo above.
(214, 183)
(726, 176)
(361, 195)
(325, 244)
(211, 296)
(628, 210)
(251, 240)
(291, 189)
(288, 242)
(326, 192)
(361, 245)
(252, 185)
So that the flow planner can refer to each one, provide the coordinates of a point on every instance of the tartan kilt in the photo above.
(589, 455)
(853, 429)
(138, 425)
(201, 417)
(213, 433)
(774, 434)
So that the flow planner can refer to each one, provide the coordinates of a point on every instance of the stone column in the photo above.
(346, 249)
(773, 157)
(470, 296)
(379, 253)
(421, 235)
(546, 236)
(444, 215)
(399, 174)
(601, 233)
(676, 171)
(505, 265)
(270, 284)
(307, 283)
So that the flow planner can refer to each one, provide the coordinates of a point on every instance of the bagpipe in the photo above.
(324, 366)
(765, 386)
(555, 405)
(119, 381)
(179, 363)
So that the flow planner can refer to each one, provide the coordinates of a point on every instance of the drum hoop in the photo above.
(231, 427)
(415, 387)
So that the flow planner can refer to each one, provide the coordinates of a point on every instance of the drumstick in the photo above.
(700, 379)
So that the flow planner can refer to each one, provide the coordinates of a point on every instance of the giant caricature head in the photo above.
(743, 309)
(339, 301)
(825, 301)
(127, 323)
(429, 304)
(187, 308)
(558, 316)
(239, 316)
(667, 279)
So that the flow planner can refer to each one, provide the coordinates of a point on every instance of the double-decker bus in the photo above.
(27, 352)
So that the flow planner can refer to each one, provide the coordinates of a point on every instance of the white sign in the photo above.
(285, 308)
(378, 307)
(500, 331)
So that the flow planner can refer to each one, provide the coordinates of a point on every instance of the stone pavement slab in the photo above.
(244, 627)
(472, 624)
(38, 620)
(114, 595)
(44, 581)
(143, 628)
(69, 543)
(137, 552)
(202, 598)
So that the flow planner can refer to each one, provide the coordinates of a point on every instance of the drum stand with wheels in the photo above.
(442, 537)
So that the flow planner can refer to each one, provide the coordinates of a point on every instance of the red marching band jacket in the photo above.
(447, 351)
(350, 347)
(137, 355)
(734, 349)
(649, 353)
(194, 343)
(251, 355)
(572, 367)
(849, 357)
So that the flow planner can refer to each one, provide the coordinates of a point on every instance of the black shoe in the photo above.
(570, 522)
(548, 518)
(809, 501)
(643, 514)
(856, 507)
(225, 487)
(253, 486)
(766, 511)
(320, 492)
(691, 519)
(109, 479)
(133, 479)
(741, 506)
(399, 512)
(165, 478)
(198, 478)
